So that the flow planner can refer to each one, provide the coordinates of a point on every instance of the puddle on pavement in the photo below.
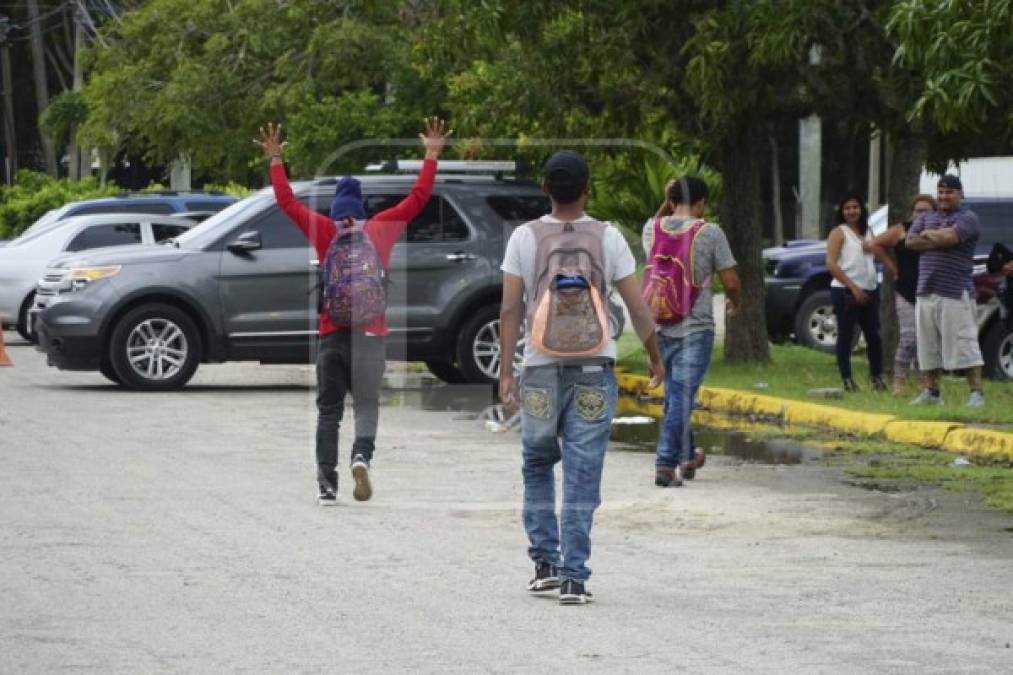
(478, 402)
(644, 438)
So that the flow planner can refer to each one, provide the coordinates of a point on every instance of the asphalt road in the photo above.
(178, 533)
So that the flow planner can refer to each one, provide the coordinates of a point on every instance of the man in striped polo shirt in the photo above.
(947, 333)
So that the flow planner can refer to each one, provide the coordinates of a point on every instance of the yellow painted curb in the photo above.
(926, 434)
(995, 445)
(949, 436)
(842, 419)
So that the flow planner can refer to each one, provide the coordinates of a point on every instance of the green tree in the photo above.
(174, 77)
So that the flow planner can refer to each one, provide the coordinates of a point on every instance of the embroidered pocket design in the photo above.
(590, 403)
(536, 403)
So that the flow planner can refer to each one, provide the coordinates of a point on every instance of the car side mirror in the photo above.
(246, 242)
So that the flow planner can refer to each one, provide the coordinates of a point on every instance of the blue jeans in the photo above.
(567, 415)
(686, 360)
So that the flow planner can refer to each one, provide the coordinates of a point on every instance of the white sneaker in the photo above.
(926, 397)
(975, 400)
(360, 473)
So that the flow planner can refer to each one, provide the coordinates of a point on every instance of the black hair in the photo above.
(687, 190)
(863, 218)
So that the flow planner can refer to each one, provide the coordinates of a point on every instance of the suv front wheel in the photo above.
(478, 355)
(155, 347)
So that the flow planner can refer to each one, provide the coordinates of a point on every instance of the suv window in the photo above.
(149, 207)
(161, 231)
(996, 220)
(519, 208)
(439, 220)
(99, 236)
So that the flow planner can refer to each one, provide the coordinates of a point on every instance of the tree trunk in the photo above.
(738, 159)
(10, 137)
(41, 86)
(906, 157)
(775, 189)
(75, 161)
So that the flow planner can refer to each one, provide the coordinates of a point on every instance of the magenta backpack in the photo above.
(353, 280)
(668, 287)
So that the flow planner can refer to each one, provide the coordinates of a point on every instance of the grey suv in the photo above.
(241, 287)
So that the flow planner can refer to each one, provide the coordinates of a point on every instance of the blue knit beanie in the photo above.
(348, 200)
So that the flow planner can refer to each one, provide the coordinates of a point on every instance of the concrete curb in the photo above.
(949, 436)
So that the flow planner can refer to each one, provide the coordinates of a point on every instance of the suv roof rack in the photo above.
(495, 166)
(169, 193)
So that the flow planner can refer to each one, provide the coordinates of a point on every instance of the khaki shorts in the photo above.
(947, 333)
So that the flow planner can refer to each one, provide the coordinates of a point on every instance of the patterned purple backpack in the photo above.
(353, 280)
(668, 287)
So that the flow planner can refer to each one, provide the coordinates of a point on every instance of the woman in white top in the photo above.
(854, 290)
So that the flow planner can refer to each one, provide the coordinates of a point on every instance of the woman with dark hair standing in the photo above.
(854, 289)
(905, 274)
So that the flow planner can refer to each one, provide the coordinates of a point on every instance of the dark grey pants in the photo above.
(347, 363)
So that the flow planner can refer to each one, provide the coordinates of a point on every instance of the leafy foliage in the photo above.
(34, 193)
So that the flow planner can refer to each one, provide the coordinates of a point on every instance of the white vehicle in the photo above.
(24, 260)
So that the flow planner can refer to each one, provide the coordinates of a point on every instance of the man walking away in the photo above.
(945, 323)
(351, 355)
(560, 264)
(686, 341)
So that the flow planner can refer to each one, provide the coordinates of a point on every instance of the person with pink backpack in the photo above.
(354, 252)
(683, 252)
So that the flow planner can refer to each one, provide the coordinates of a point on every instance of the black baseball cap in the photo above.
(566, 168)
(950, 181)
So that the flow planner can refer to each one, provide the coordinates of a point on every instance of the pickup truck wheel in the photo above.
(478, 355)
(997, 352)
(445, 371)
(815, 323)
(155, 347)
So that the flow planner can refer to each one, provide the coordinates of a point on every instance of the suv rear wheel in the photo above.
(478, 354)
(997, 350)
(155, 347)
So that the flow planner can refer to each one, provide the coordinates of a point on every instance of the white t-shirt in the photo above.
(520, 259)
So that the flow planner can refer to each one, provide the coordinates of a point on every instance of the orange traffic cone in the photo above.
(4, 359)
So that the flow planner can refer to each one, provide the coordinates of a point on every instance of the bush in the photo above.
(35, 193)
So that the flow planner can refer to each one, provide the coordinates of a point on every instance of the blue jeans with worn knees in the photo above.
(686, 360)
(566, 415)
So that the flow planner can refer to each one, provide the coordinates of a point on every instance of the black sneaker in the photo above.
(849, 384)
(878, 384)
(327, 496)
(360, 473)
(574, 593)
(546, 578)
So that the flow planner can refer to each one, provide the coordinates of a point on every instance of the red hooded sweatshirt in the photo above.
(383, 229)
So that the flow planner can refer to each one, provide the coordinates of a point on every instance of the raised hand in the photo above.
(435, 136)
(270, 140)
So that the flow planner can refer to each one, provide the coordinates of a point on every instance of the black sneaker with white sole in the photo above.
(573, 593)
(327, 496)
(546, 578)
(360, 474)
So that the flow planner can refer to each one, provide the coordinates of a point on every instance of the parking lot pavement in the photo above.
(178, 532)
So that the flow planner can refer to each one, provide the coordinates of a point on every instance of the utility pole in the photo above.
(10, 140)
(41, 85)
